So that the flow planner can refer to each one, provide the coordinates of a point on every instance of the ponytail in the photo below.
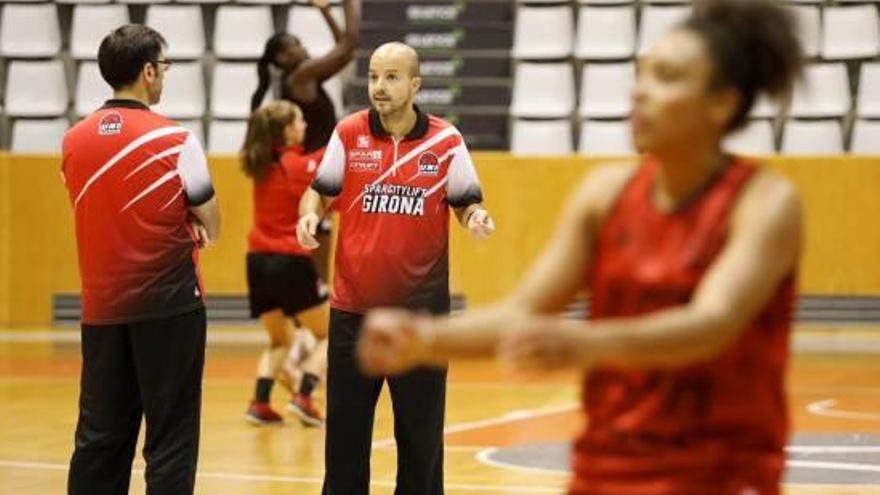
(273, 46)
(265, 135)
(263, 85)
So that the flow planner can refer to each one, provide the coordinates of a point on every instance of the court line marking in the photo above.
(448, 448)
(833, 449)
(509, 417)
(835, 466)
(310, 480)
(484, 457)
(828, 407)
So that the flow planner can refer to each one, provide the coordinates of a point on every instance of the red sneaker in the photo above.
(261, 413)
(303, 407)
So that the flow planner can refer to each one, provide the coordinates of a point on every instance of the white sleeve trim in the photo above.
(193, 169)
(328, 180)
(463, 185)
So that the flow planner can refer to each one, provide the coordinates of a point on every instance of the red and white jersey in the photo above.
(132, 175)
(393, 197)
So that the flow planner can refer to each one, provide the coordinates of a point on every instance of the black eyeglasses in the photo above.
(166, 63)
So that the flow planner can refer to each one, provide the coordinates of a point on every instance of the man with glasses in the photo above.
(144, 204)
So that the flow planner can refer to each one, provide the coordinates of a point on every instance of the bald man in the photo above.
(394, 173)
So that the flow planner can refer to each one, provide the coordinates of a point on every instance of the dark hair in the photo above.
(274, 45)
(754, 46)
(265, 134)
(123, 53)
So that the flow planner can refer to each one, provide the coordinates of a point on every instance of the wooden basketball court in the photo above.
(492, 418)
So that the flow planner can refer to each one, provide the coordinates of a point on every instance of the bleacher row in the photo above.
(572, 76)
(832, 111)
(52, 77)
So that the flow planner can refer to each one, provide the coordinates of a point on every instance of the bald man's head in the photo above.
(401, 54)
(394, 77)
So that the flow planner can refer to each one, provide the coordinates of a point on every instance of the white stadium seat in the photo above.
(231, 88)
(606, 32)
(865, 137)
(543, 90)
(226, 136)
(541, 137)
(38, 136)
(91, 23)
(823, 93)
(183, 28)
(868, 103)
(240, 32)
(543, 32)
(605, 90)
(821, 137)
(29, 31)
(599, 137)
(36, 89)
(183, 96)
(851, 32)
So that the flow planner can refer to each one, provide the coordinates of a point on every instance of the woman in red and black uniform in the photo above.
(689, 256)
(282, 281)
(300, 77)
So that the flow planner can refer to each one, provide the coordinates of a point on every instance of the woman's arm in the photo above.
(762, 250)
(326, 66)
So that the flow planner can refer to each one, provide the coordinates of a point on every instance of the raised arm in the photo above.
(327, 65)
(324, 7)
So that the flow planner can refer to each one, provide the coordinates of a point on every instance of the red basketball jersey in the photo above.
(718, 427)
(276, 202)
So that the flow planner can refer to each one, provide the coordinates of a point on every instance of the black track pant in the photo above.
(418, 399)
(150, 369)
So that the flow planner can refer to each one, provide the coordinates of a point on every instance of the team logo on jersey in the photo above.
(429, 164)
(312, 166)
(363, 142)
(110, 124)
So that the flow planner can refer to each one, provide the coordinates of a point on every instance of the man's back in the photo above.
(131, 175)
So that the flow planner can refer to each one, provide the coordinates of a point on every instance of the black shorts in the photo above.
(283, 281)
